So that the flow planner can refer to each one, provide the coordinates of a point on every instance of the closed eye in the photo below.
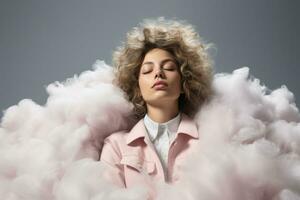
(169, 68)
(146, 69)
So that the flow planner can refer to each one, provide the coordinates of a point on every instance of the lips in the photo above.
(160, 84)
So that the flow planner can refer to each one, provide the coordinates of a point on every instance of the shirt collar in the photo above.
(186, 126)
(154, 128)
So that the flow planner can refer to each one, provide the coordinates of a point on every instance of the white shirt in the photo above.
(161, 135)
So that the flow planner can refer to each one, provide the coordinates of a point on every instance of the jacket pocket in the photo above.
(138, 163)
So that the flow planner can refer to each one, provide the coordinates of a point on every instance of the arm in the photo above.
(110, 157)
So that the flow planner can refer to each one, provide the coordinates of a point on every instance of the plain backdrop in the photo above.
(45, 41)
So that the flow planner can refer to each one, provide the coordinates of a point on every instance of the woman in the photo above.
(165, 72)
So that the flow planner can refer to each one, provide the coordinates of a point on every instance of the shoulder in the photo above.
(113, 146)
(188, 126)
(117, 138)
(120, 141)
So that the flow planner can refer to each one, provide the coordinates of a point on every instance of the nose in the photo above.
(159, 73)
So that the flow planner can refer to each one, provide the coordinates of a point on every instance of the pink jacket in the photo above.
(131, 157)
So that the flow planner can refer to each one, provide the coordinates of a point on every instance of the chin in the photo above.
(161, 99)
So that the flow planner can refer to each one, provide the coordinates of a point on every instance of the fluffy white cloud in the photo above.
(249, 147)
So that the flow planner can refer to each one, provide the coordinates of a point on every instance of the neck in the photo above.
(163, 113)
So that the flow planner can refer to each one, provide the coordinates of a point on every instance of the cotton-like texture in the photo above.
(249, 140)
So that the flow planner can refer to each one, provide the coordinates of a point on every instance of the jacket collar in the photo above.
(186, 126)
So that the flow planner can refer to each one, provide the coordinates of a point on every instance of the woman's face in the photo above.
(159, 78)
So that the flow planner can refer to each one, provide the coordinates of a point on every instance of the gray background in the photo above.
(46, 41)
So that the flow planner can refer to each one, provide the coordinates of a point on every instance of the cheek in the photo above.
(176, 82)
(143, 84)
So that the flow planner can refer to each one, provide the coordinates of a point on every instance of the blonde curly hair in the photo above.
(184, 43)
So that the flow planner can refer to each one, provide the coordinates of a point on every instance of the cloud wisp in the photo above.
(249, 146)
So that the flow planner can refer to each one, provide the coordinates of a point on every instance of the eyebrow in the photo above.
(162, 62)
